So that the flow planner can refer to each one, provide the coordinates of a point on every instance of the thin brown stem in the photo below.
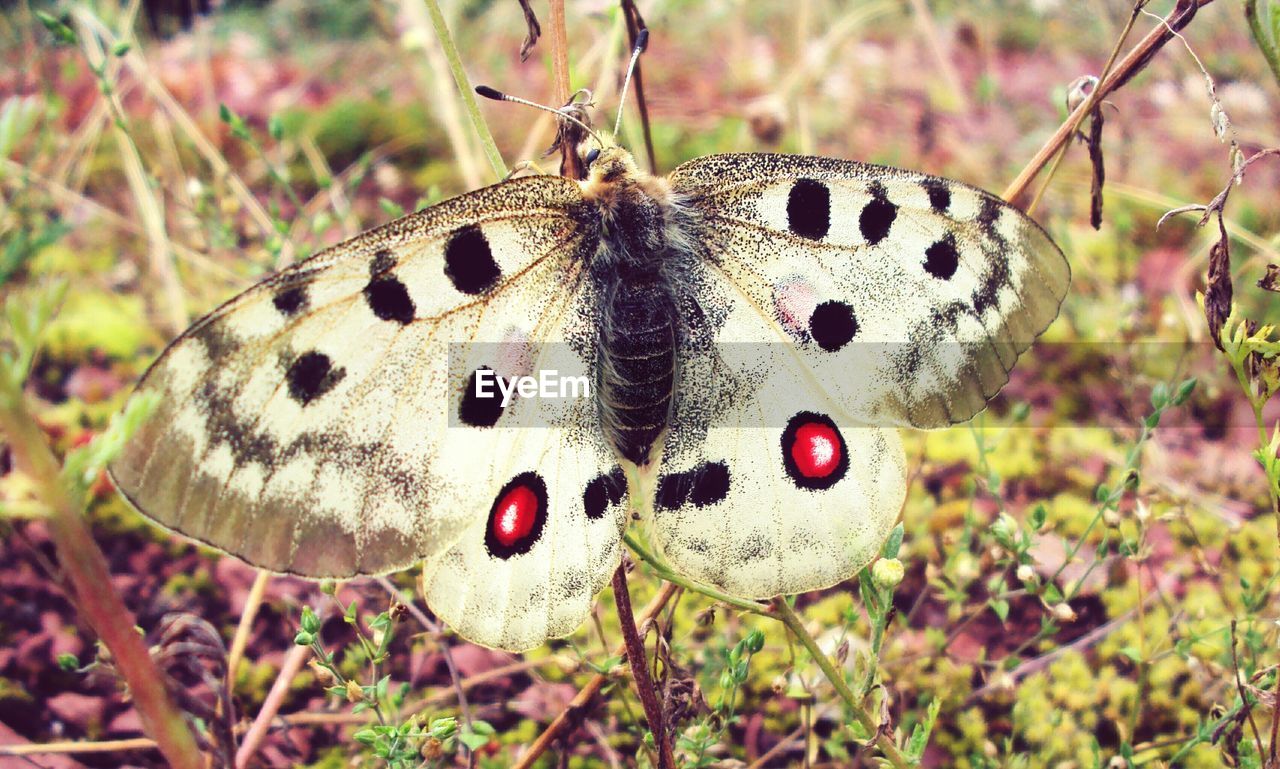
(95, 597)
(293, 663)
(1132, 63)
(639, 663)
(558, 36)
(73, 746)
(241, 639)
(571, 716)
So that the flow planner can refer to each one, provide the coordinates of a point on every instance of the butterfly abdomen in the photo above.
(637, 353)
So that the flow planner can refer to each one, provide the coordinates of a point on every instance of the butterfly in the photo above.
(754, 329)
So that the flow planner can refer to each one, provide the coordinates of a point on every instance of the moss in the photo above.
(94, 321)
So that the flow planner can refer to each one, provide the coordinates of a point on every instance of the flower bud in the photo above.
(886, 573)
(1063, 612)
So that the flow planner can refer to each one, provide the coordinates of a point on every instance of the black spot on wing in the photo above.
(468, 261)
(290, 301)
(603, 492)
(704, 485)
(389, 299)
(941, 259)
(939, 194)
(311, 375)
(809, 209)
(877, 215)
(476, 410)
(832, 325)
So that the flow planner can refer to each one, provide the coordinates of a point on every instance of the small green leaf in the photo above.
(68, 662)
(893, 544)
(61, 31)
(1187, 387)
(473, 741)
(1159, 396)
(303, 638)
(1000, 607)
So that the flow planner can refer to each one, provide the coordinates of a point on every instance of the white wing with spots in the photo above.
(908, 297)
(771, 499)
(325, 422)
(826, 302)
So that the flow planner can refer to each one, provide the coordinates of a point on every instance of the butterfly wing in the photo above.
(827, 301)
(325, 422)
(908, 296)
(781, 494)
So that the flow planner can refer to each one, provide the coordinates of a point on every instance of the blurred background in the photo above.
(1071, 576)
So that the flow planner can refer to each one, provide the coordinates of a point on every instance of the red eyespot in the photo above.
(514, 516)
(518, 514)
(816, 450)
(813, 451)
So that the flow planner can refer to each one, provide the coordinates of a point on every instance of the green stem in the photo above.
(1261, 36)
(464, 88)
(94, 596)
(784, 613)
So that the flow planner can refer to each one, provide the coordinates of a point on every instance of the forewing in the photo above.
(909, 297)
(313, 425)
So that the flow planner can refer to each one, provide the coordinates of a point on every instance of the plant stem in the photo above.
(639, 663)
(464, 89)
(1263, 38)
(573, 713)
(788, 617)
(1133, 62)
(559, 40)
(95, 598)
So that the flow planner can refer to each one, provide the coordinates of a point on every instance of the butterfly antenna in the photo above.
(496, 95)
(642, 41)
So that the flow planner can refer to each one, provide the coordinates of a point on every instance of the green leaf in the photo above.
(473, 741)
(391, 208)
(893, 544)
(920, 734)
(303, 638)
(1188, 386)
(1038, 516)
(62, 33)
(1159, 395)
(1000, 607)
